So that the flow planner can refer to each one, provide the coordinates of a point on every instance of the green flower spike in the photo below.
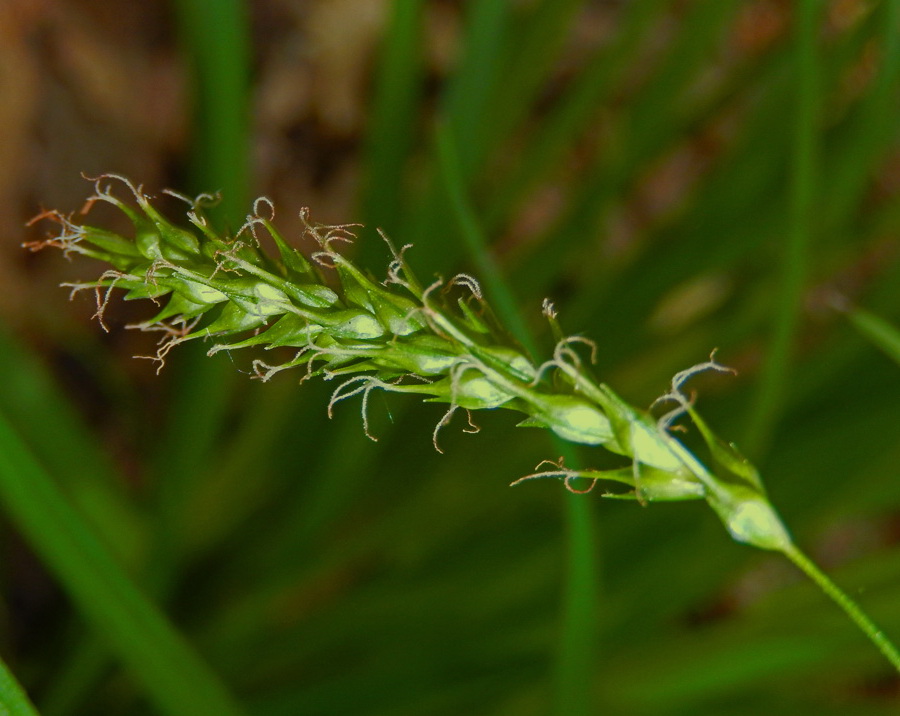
(441, 341)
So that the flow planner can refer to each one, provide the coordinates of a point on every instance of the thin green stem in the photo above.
(885, 646)
(576, 646)
(575, 660)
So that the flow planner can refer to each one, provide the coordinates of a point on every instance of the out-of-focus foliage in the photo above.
(634, 161)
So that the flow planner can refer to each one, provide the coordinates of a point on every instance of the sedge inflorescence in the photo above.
(441, 341)
(438, 340)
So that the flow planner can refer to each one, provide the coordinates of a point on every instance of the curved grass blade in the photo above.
(795, 260)
(879, 332)
(391, 129)
(175, 677)
(13, 700)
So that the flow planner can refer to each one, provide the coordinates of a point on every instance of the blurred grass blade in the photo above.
(473, 238)
(13, 700)
(795, 257)
(470, 89)
(569, 118)
(175, 677)
(882, 334)
(644, 130)
(391, 128)
(538, 43)
(861, 146)
(37, 408)
(215, 39)
(509, 83)
(575, 667)
(575, 659)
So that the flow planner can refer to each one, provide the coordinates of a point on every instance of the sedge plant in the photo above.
(439, 340)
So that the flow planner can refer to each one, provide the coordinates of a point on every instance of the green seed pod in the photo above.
(571, 418)
(469, 389)
(113, 247)
(751, 519)
(421, 354)
(508, 360)
(173, 239)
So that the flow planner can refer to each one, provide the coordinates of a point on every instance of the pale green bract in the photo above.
(442, 341)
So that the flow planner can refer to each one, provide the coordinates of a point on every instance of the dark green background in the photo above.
(676, 176)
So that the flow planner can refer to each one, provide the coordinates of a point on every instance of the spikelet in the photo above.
(402, 336)
(441, 341)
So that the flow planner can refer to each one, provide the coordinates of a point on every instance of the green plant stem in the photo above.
(852, 609)
(577, 653)
(576, 646)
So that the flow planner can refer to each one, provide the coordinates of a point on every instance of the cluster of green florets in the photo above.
(395, 335)
(441, 341)
(398, 335)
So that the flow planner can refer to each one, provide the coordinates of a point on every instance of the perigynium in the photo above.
(440, 340)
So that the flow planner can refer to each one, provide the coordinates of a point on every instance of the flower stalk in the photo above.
(440, 340)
